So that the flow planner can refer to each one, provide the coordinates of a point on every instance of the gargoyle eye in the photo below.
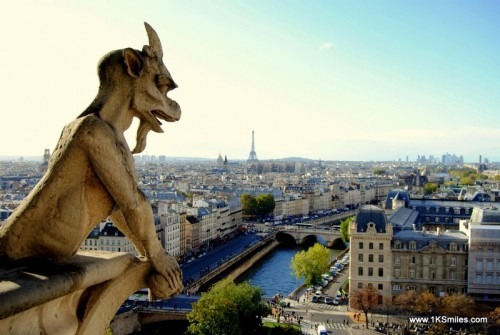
(165, 83)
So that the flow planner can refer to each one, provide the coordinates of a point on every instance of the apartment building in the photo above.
(483, 230)
(370, 251)
(429, 261)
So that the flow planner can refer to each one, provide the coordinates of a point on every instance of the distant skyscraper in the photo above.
(253, 154)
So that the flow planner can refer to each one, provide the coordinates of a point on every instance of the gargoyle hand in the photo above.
(166, 279)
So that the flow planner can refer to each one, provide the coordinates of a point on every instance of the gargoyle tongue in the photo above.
(141, 137)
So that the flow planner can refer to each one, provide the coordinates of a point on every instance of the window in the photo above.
(453, 246)
(360, 271)
(479, 278)
(381, 246)
(412, 245)
(380, 286)
(412, 259)
(453, 261)
(380, 272)
(396, 287)
(432, 261)
(397, 245)
(432, 289)
(397, 260)
(479, 264)
(453, 275)
(360, 245)
(432, 274)
(360, 285)
(360, 257)
(489, 265)
(370, 246)
(380, 258)
(489, 278)
(411, 288)
(412, 274)
(370, 272)
(370, 258)
(397, 273)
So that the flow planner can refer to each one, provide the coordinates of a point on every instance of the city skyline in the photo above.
(325, 80)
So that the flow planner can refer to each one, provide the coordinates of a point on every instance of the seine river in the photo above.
(274, 274)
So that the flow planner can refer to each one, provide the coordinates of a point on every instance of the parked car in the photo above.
(336, 301)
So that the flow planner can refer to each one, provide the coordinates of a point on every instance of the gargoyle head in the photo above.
(141, 78)
(150, 101)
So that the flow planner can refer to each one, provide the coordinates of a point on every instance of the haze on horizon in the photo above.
(330, 80)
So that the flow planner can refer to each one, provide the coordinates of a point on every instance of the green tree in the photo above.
(344, 228)
(311, 264)
(228, 309)
(248, 204)
(265, 204)
(379, 172)
(430, 188)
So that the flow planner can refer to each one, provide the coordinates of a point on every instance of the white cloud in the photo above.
(326, 46)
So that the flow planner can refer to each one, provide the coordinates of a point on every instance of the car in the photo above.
(336, 301)
(318, 293)
(329, 300)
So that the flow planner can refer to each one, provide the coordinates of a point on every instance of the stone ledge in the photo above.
(78, 296)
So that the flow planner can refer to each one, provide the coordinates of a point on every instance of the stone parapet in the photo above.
(77, 296)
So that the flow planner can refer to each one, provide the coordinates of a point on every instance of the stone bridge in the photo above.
(329, 237)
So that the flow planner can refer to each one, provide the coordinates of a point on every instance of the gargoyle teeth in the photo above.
(157, 115)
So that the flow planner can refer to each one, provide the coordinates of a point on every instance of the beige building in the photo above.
(370, 252)
(483, 231)
(429, 261)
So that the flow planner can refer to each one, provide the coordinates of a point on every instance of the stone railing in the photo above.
(78, 296)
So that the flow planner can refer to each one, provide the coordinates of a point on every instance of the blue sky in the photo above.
(330, 80)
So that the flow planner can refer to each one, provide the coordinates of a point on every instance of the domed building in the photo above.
(370, 252)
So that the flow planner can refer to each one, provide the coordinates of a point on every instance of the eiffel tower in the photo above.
(253, 155)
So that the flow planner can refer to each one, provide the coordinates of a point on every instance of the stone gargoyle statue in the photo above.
(91, 173)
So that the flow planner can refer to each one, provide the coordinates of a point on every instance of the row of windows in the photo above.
(437, 210)
(489, 264)
(412, 245)
(370, 258)
(371, 246)
(480, 279)
(432, 260)
(449, 290)
(370, 271)
(412, 274)
(379, 286)
(91, 242)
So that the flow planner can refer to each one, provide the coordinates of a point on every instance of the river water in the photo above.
(274, 274)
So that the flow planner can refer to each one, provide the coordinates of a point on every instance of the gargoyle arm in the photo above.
(108, 159)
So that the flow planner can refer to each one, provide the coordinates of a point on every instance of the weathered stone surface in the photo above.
(91, 176)
(78, 296)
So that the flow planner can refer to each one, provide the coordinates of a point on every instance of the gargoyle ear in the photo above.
(133, 61)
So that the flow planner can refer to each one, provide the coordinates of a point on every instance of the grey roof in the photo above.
(404, 219)
(370, 213)
(419, 235)
(400, 194)
(486, 214)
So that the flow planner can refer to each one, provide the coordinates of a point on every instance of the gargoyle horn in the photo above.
(154, 41)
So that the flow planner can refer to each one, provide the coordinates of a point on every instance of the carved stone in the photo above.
(91, 176)
(79, 296)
